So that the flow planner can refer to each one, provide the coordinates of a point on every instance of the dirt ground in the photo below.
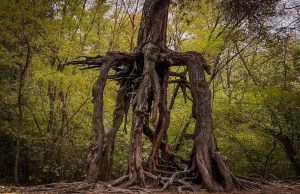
(82, 187)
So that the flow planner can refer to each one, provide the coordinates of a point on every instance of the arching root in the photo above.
(165, 182)
(242, 184)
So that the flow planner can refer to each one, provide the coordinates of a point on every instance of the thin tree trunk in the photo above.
(268, 158)
(16, 165)
(183, 132)
(163, 122)
(23, 70)
(19, 129)
(95, 154)
(289, 151)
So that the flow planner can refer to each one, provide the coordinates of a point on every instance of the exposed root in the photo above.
(271, 176)
(100, 187)
(186, 185)
(174, 177)
(292, 180)
(123, 182)
(129, 183)
(242, 184)
(182, 188)
(158, 179)
(258, 180)
(165, 182)
(76, 187)
(118, 181)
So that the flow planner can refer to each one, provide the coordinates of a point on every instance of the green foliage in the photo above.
(255, 11)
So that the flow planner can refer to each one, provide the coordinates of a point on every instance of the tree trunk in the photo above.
(16, 165)
(119, 111)
(206, 152)
(183, 132)
(289, 151)
(153, 26)
(21, 84)
(95, 154)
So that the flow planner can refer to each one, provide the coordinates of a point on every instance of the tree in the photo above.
(143, 75)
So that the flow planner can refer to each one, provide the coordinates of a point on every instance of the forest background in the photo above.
(46, 109)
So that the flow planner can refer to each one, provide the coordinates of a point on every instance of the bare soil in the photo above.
(282, 187)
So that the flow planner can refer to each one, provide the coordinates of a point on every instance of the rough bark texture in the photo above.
(143, 75)
(95, 155)
(153, 26)
(109, 138)
(206, 151)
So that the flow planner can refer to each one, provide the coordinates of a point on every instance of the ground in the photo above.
(282, 187)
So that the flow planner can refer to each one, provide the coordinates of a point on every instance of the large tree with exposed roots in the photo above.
(143, 75)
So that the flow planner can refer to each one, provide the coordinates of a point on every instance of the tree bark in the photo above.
(153, 26)
(205, 145)
(119, 111)
(95, 154)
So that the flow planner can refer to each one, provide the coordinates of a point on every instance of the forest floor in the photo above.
(82, 187)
